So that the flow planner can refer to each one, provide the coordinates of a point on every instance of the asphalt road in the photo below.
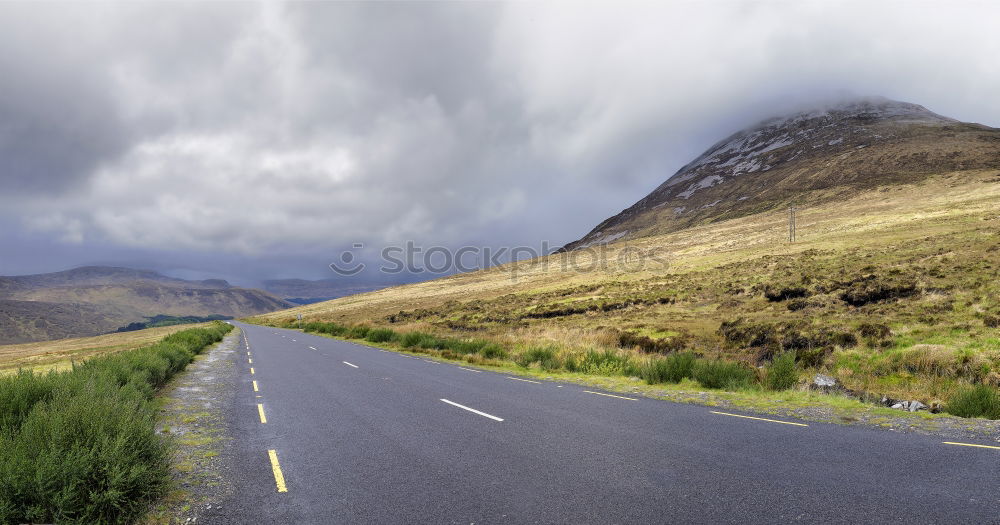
(363, 435)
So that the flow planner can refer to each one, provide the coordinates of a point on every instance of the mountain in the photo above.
(96, 299)
(302, 291)
(810, 157)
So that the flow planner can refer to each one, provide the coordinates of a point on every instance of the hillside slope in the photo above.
(807, 158)
(892, 290)
(94, 300)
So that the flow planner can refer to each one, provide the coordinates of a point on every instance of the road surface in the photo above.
(328, 431)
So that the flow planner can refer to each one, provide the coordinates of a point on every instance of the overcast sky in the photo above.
(250, 141)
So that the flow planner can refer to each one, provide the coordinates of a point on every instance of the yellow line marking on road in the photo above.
(970, 445)
(260, 411)
(251, 370)
(249, 361)
(525, 380)
(760, 419)
(248, 353)
(279, 478)
(611, 395)
(255, 389)
(471, 370)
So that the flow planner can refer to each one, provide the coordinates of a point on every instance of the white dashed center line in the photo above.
(474, 411)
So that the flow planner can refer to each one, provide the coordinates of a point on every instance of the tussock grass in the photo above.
(381, 335)
(493, 351)
(81, 446)
(608, 362)
(357, 332)
(975, 401)
(671, 369)
(411, 339)
(724, 375)
(544, 356)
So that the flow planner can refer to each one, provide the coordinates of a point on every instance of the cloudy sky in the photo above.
(251, 141)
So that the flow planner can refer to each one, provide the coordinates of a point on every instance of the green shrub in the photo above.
(81, 446)
(324, 328)
(671, 369)
(357, 332)
(976, 401)
(19, 393)
(723, 374)
(89, 456)
(381, 335)
(781, 373)
(314, 327)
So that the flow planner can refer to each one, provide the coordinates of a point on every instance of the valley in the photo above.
(93, 300)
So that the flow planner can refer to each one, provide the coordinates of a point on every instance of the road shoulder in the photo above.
(193, 412)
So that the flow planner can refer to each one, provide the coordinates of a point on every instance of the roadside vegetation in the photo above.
(781, 374)
(80, 446)
(891, 290)
(158, 321)
(62, 354)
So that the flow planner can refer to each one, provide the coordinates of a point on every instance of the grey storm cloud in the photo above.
(250, 129)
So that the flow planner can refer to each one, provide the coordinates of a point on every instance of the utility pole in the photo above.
(791, 224)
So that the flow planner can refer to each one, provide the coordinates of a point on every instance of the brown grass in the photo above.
(941, 233)
(60, 354)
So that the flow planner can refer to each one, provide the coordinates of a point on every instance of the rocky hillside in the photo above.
(807, 158)
(95, 299)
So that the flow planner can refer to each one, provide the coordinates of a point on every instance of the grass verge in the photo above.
(81, 446)
(672, 376)
(654, 368)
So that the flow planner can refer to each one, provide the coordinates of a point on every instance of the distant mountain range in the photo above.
(98, 299)
(302, 291)
(826, 154)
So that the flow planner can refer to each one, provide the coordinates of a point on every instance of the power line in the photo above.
(791, 224)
